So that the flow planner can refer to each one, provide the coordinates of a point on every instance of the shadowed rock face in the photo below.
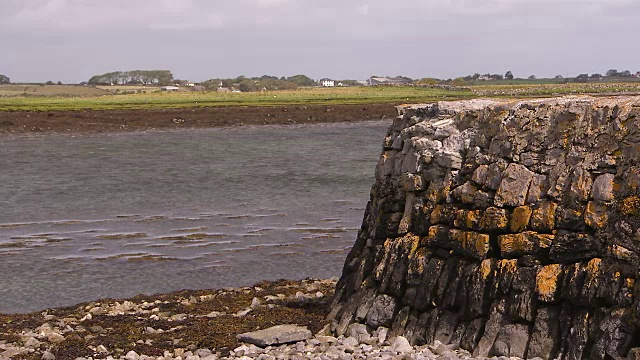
(508, 228)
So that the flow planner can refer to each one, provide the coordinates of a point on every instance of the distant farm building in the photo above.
(170, 88)
(326, 82)
(398, 81)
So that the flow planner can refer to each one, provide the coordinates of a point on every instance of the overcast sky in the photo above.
(71, 40)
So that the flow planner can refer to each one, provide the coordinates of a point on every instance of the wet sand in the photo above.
(96, 121)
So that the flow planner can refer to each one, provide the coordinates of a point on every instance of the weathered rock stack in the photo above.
(507, 228)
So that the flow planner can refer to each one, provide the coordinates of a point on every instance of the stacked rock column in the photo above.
(507, 228)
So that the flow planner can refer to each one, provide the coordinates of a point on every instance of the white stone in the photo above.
(55, 338)
(280, 334)
(401, 345)
(132, 355)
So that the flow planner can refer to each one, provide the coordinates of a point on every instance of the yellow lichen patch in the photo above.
(459, 222)
(412, 242)
(417, 262)
(543, 217)
(386, 253)
(474, 244)
(467, 219)
(593, 271)
(434, 232)
(547, 282)
(485, 268)
(595, 215)
(494, 219)
(633, 179)
(514, 244)
(473, 217)
(520, 218)
(593, 266)
(508, 265)
(630, 205)
(542, 241)
(436, 214)
(459, 237)
(629, 283)
(481, 242)
(621, 252)
(616, 187)
(628, 287)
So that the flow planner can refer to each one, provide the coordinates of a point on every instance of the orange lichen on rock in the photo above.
(436, 214)
(621, 252)
(520, 218)
(474, 244)
(494, 219)
(547, 282)
(411, 242)
(630, 205)
(508, 265)
(513, 245)
(485, 268)
(595, 215)
(543, 216)
(467, 219)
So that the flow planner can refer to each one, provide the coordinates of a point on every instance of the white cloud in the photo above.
(272, 3)
(413, 37)
(364, 9)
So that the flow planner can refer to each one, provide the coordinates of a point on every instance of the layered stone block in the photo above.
(508, 228)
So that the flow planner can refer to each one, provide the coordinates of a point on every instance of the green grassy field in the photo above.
(115, 89)
(17, 90)
(354, 95)
(67, 97)
(545, 90)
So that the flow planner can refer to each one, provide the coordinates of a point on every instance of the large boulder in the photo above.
(508, 228)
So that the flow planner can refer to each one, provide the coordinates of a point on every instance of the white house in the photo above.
(170, 88)
(326, 82)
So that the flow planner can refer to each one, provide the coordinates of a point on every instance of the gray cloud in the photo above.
(70, 40)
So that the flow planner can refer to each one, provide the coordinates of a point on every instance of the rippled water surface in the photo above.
(115, 215)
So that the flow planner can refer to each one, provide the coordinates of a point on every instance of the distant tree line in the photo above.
(486, 76)
(610, 74)
(144, 77)
(4, 79)
(264, 82)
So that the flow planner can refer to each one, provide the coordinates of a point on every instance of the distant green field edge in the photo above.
(11, 105)
(217, 103)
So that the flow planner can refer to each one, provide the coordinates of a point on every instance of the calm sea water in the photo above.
(115, 215)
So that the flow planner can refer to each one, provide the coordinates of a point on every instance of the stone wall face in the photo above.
(507, 228)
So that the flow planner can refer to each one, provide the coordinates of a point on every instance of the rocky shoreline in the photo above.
(100, 121)
(178, 325)
(204, 325)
